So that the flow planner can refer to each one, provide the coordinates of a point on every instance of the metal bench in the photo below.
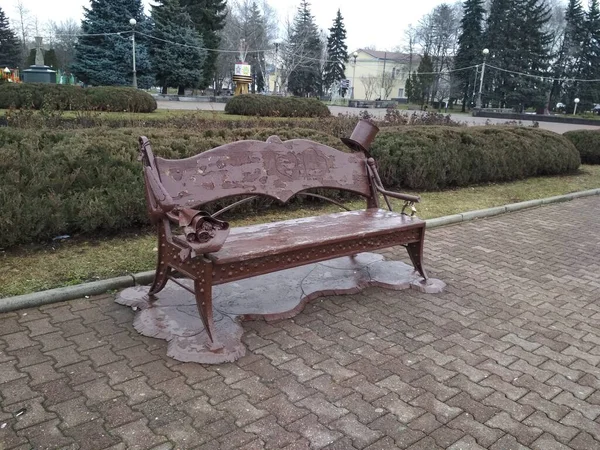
(200, 247)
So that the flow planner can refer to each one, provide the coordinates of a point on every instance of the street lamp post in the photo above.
(575, 109)
(485, 53)
(354, 56)
(133, 22)
(277, 42)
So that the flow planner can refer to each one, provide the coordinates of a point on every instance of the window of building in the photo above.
(400, 93)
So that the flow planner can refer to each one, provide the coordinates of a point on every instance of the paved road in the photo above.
(469, 120)
(506, 358)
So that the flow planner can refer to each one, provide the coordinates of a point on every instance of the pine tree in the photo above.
(10, 51)
(568, 61)
(502, 41)
(49, 58)
(518, 43)
(255, 36)
(408, 88)
(208, 17)
(535, 47)
(469, 47)
(305, 79)
(424, 80)
(589, 93)
(337, 52)
(106, 59)
(177, 63)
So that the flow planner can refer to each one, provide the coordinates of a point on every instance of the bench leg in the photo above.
(160, 279)
(161, 276)
(203, 291)
(415, 251)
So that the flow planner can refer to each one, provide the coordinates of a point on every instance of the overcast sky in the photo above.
(379, 24)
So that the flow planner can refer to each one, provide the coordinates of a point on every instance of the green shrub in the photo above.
(425, 158)
(68, 97)
(90, 181)
(269, 106)
(588, 144)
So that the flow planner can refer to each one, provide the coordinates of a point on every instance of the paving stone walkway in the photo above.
(507, 358)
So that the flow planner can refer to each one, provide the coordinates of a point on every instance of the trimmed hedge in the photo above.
(588, 144)
(89, 181)
(270, 106)
(339, 126)
(426, 158)
(68, 97)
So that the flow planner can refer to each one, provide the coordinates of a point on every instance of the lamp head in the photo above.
(576, 100)
(485, 52)
(132, 22)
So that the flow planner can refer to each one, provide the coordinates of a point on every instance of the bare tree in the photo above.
(256, 23)
(437, 35)
(386, 83)
(295, 53)
(444, 90)
(24, 27)
(555, 27)
(409, 45)
(62, 37)
(323, 56)
(370, 83)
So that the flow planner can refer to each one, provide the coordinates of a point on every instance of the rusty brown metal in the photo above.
(278, 170)
(362, 136)
(176, 189)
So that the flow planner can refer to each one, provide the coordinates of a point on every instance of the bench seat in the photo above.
(257, 241)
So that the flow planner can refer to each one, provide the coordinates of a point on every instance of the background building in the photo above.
(378, 74)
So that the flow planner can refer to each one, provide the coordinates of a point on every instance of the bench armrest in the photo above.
(161, 196)
(407, 197)
(379, 186)
(160, 200)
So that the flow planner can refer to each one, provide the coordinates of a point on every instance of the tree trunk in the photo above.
(164, 90)
(181, 90)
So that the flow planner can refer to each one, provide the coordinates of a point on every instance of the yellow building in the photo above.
(368, 78)
(366, 74)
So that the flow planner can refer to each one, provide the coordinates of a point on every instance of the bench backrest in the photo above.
(273, 168)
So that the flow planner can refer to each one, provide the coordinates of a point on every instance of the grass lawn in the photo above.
(35, 268)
